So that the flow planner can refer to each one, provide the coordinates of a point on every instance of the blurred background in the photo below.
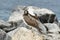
(6, 6)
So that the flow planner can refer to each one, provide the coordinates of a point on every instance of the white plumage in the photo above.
(31, 11)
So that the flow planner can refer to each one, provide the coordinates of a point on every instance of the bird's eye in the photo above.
(25, 12)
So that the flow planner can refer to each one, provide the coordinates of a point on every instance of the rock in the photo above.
(3, 35)
(24, 34)
(52, 27)
(14, 26)
(59, 23)
(53, 31)
(16, 15)
(15, 19)
(54, 36)
(44, 15)
(46, 19)
(4, 24)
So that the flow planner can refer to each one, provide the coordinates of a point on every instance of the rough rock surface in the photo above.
(4, 24)
(24, 34)
(53, 31)
(59, 23)
(16, 28)
(17, 14)
(2, 35)
(52, 27)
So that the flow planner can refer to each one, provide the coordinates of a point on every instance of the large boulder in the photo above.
(46, 19)
(23, 33)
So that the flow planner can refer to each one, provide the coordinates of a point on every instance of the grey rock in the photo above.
(4, 24)
(8, 37)
(52, 27)
(2, 35)
(16, 15)
(59, 23)
(53, 31)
